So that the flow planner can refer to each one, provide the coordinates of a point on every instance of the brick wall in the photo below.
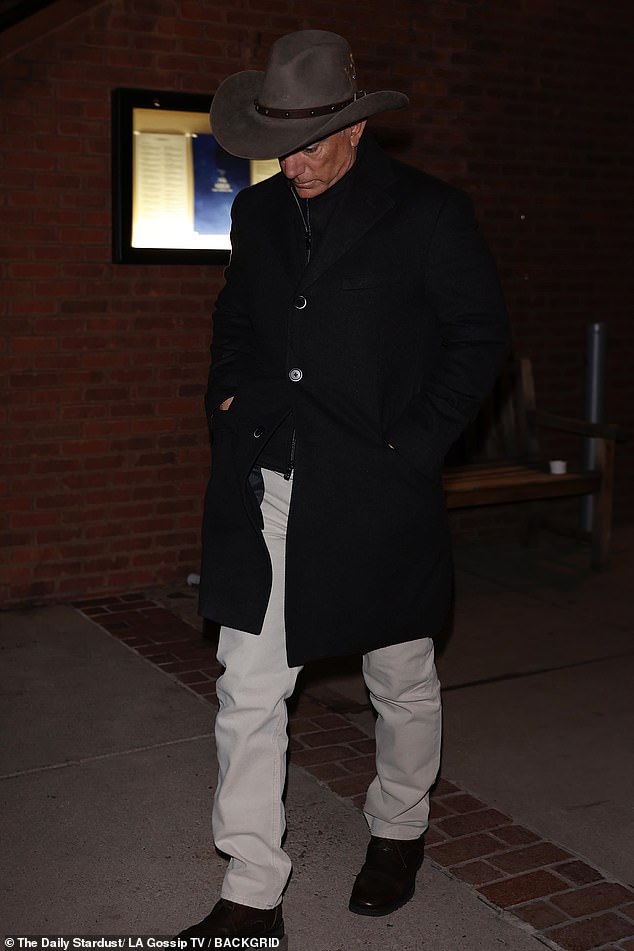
(526, 103)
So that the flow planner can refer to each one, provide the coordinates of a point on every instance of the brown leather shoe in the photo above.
(228, 919)
(387, 878)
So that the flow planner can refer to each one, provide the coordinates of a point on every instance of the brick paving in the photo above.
(568, 903)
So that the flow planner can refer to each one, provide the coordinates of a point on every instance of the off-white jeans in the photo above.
(251, 734)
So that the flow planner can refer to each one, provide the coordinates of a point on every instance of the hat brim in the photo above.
(245, 133)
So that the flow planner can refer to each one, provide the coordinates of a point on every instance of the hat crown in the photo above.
(308, 69)
(308, 92)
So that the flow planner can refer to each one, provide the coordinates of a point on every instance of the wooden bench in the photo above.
(498, 458)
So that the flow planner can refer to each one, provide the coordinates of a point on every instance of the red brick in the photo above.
(146, 650)
(594, 898)
(625, 946)
(472, 822)
(306, 707)
(33, 344)
(153, 652)
(438, 810)
(329, 737)
(456, 851)
(444, 788)
(328, 721)
(205, 690)
(628, 910)
(162, 637)
(516, 835)
(115, 626)
(476, 873)
(322, 754)
(540, 914)
(326, 771)
(534, 856)
(433, 836)
(124, 606)
(194, 677)
(363, 746)
(105, 602)
(590, 933)
(522, 888)
(300, 725)
(201, 652)
(360, 764)
(579, 873)
(462, 802)
(180, 666)
(351, 785)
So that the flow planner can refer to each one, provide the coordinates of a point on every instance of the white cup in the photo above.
(558, 466)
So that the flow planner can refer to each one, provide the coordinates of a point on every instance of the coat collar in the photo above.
(363, 204)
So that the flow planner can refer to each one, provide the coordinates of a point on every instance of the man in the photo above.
(360, 326)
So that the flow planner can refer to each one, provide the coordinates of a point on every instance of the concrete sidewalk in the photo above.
(108, 772)
(107, 781)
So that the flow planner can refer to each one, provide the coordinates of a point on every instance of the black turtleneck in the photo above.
(319, 213)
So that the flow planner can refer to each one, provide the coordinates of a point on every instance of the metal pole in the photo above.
(596, 339)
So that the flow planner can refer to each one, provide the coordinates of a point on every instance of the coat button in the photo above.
(300, 302)
(258, 432)
(295, 375)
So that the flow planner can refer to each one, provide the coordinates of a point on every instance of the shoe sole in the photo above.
(382, 909)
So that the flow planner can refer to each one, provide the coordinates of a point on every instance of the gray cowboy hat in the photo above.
(308, 91)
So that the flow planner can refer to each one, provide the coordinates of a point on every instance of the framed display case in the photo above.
(172, 183)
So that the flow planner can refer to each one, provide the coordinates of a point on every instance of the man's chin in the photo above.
(310, 191)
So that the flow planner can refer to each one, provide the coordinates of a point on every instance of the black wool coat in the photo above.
(398, 327)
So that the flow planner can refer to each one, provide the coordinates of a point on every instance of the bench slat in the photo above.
(487, 485)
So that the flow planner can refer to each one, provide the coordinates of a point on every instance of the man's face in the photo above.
(315, 168)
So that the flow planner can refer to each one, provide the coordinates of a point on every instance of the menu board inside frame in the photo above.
(175, 200)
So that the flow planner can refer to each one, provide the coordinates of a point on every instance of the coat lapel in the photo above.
(276, 225)
(363, 205)
(280, 213)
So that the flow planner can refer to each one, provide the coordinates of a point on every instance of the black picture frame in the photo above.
(172, 184)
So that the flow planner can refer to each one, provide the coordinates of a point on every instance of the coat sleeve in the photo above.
(464, 293)
(232, 341)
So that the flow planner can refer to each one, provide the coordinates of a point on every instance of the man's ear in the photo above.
(356, 131)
